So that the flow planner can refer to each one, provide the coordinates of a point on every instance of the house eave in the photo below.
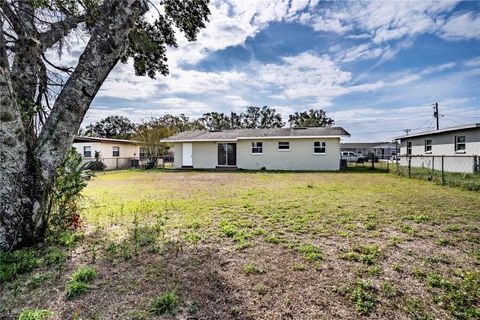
(255, 138)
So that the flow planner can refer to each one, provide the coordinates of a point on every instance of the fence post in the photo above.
(117, 163)
(373, 161)
(388, 165)
(409, 165)
(443, 171)
(433, 167)
(397, 160)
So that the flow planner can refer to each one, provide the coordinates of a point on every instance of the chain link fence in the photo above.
(119, 163)
(456, 170)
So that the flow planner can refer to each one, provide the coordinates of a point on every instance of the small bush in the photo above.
(164, 303)
(34, 315)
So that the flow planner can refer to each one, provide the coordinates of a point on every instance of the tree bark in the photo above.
(27, 177)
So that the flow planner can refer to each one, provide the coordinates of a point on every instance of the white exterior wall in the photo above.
(299, 157)
(443, 144)
(127, 151)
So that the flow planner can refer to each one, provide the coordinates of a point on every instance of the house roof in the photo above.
(432, 132)
(241, 134)
(95, 139)
(364, 145)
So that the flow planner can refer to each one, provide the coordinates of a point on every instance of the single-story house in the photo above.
(114, 153)
(382, 150)
(254, 149)
(460, 146)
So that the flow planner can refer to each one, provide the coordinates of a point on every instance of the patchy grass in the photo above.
(257, 245)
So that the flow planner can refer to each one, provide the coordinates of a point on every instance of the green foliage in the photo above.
(311, 252)
(367, 254)
(71, 179)
(117, 127)
(363, 296)
(310, 118)
(80, 281)
(164, 303)
(17, 262)
(36, 314)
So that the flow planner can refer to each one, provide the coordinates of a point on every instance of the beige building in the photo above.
(255, 149)
(459, 146)
(114, 153)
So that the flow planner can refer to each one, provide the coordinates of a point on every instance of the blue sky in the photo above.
(375, 67)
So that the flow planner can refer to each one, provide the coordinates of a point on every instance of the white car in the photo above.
(352, 157)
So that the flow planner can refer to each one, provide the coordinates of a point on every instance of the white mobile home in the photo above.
(459, 146)
(254, 149)
(114, 153)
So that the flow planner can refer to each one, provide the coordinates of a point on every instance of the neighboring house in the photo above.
(382, 150)
(114, 153)
(254, 149)
(459, 146)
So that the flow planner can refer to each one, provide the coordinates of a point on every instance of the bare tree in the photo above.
(43, 104)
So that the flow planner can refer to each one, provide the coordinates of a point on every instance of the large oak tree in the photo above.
(43, 104)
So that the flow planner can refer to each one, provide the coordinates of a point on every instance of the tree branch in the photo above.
(96, 62)
(60, 29)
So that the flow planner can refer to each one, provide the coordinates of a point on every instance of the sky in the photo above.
(376, 68)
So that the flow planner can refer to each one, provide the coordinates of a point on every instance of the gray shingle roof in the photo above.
(204, 135)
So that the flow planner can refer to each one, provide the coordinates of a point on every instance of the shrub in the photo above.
(70, 180)
(164, 303)
(34, 315)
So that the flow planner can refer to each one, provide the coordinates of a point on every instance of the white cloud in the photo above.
(462, 26)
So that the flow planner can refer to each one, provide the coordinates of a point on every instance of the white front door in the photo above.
(187, 155)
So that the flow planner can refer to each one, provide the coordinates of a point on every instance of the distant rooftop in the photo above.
(365, 145)
(239, 134)
(95, 139)
(449, 129)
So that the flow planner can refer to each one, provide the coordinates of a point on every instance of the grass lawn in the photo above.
(259, 245)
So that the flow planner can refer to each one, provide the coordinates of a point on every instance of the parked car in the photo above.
(352, 157)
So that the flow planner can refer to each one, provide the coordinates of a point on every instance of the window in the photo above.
(143, 153)
(393, 152)
(319, 147)
(116, 151)
(428, 145)
(283, 146)
(409, 147)
(87, 152)
(460, 143)
(257, 147)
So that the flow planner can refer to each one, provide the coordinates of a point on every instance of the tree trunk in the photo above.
(27, 177)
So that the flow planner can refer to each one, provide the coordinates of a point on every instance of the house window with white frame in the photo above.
(319, 147)
(257, 147)
(428, 145)
(143, 153)
(409, 148)
(283, 146)
(87, 151)
(116, 151)
(460, 144)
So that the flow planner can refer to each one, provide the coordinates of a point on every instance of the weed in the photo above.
(397, 267)
(54, 256)
(311, 252)
(299, 267)
(80, 281)
(260, 289)
(37, 314)
(252, 269)
(370, 226)
(274, 239)
(418, 218)
(370, 270)
(234, 311)
(389, 289)
(367, 254)
(38, 279)
(17, 262)
(444, 242)
(363, 296)
(164, 303)
(193, 307)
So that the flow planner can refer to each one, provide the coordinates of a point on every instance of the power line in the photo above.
(370, 121)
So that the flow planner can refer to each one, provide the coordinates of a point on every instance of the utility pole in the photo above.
(435, 114)
(407, 131)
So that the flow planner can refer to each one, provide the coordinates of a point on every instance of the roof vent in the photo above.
(299, 128)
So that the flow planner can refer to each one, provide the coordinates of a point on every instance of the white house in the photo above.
(459, 146)
(114, 153)
(254, 149)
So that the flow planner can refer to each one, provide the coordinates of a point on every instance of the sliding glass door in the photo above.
(227, 154)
